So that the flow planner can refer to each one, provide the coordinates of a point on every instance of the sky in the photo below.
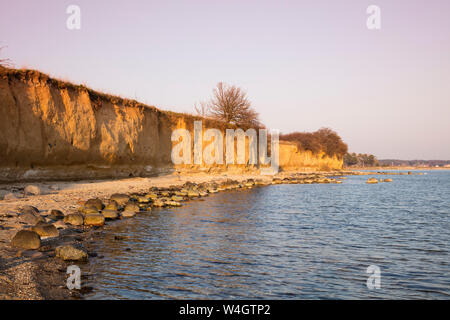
(304, 64)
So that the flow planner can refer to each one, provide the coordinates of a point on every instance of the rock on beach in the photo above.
(45, 230)
(32, 190)
(94, 220)
(74, 219)
(26, 239)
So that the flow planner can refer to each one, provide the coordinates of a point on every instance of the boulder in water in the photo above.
(193, 194)
(177, 198)
(132, 207)
(128, 214)
(70, 253)
(94, 220)
(173, 203)
(158, 203)
(110, 214)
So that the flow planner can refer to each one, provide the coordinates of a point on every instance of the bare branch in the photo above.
(230, 104)
(202, 109)
(5, 62)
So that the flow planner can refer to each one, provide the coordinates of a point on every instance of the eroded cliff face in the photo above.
(56, 130)
(291, 158)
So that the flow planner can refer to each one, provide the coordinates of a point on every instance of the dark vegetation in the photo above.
(369, 160)
(322, 140)
(360, 160)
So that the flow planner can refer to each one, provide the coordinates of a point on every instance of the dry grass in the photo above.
(98, 98)
(95, 96)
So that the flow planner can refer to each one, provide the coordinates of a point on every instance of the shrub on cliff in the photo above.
(324, 139)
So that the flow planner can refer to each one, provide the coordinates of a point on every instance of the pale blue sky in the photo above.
(304, 64)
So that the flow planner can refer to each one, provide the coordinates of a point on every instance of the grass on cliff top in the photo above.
(96, 97)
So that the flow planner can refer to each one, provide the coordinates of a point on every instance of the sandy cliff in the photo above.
(293, 159)
(51, 129)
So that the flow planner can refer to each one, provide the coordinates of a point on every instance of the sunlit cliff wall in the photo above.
(293, 159)
(50, 129)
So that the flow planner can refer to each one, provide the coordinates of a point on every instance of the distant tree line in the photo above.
(369, 160)
(322, 140)
(414, 163)
(360, 160)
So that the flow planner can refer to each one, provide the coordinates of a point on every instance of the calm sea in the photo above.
(285, 242)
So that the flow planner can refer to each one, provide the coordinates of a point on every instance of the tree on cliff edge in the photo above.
(230, 104)
(4, 62)
(202, 109)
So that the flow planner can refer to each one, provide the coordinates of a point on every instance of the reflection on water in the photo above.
(285, 242)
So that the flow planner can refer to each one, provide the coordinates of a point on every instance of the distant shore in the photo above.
(396, 168)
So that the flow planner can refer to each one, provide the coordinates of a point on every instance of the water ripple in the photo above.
(285, 242)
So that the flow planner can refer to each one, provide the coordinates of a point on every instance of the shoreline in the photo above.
(39, 274)
(398, 168)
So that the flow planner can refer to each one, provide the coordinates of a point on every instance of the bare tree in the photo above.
(230, 104)
(202, 109)
(5, 62)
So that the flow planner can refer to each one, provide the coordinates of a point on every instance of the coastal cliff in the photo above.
(293, 159)
(51, 129)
